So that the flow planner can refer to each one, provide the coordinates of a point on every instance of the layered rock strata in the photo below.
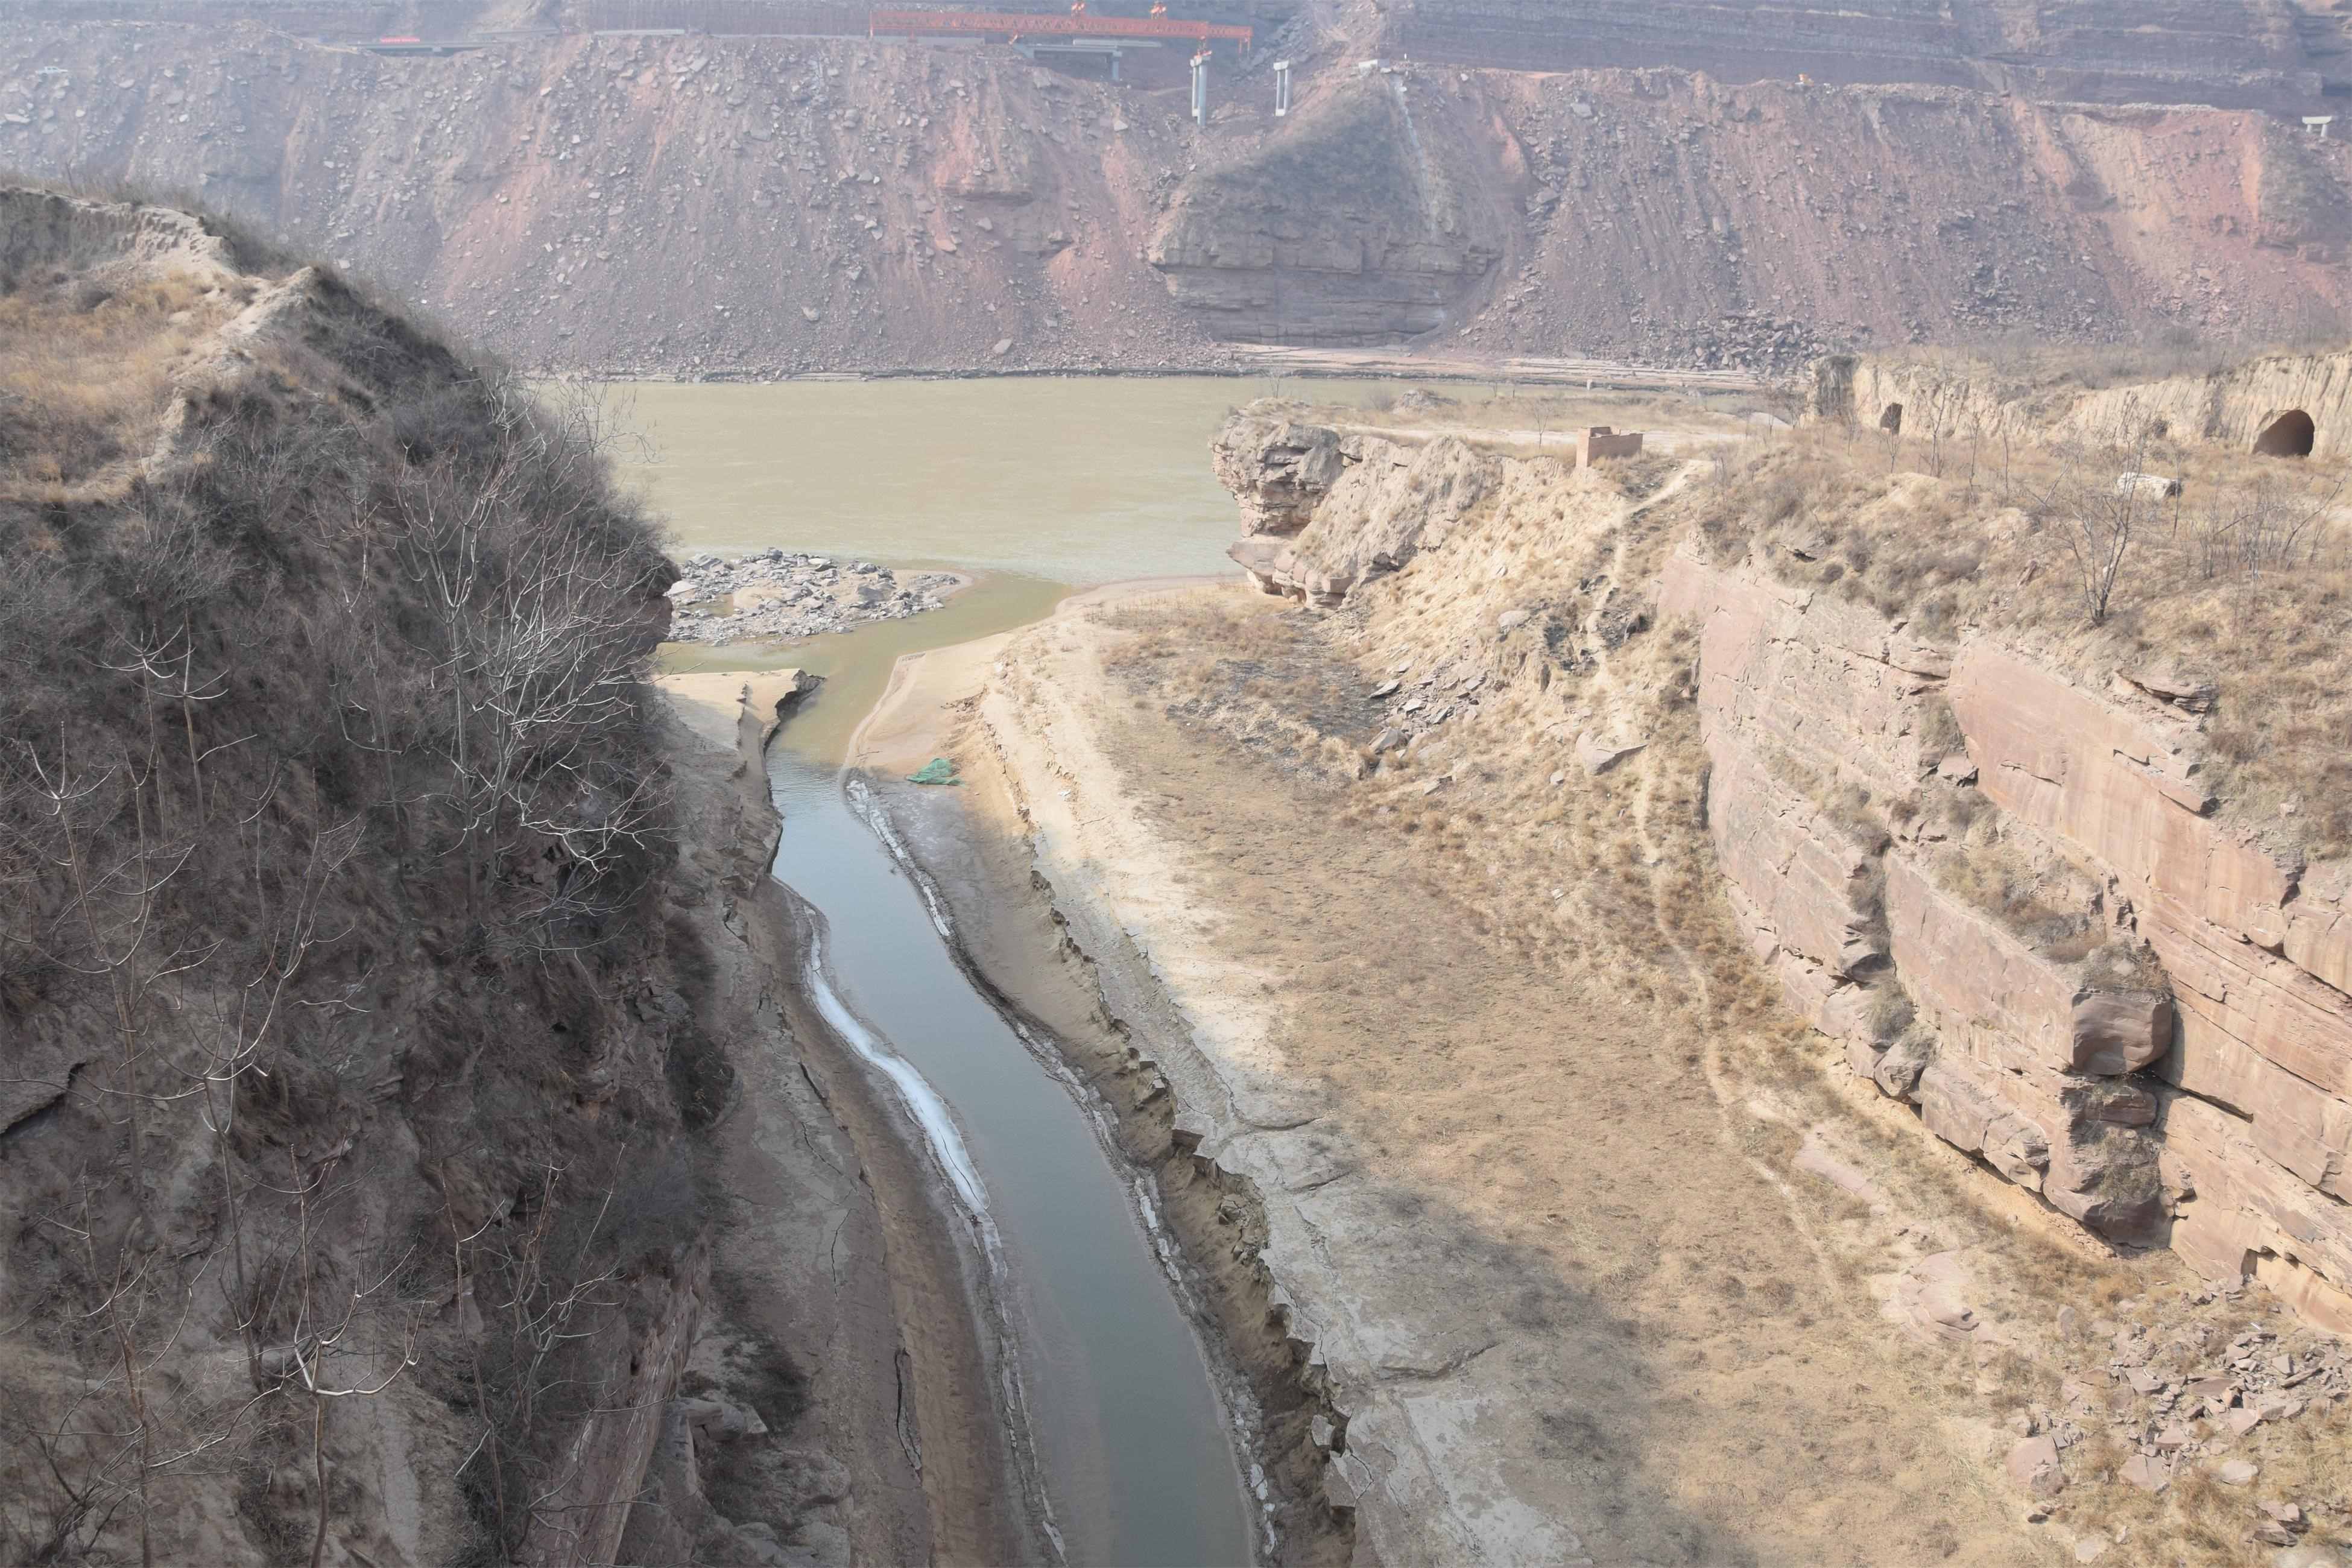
(1353, 228)
(2158, 1040)
(2224, 51)
(2206, 1105)
(1322, 511)
(720, 206)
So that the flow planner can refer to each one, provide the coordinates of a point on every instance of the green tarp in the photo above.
(938, 771)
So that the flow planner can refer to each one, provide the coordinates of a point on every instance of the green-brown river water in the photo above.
(1039, 487)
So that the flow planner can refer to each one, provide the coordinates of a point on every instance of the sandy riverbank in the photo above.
(840, 1272)
(1544, 1294)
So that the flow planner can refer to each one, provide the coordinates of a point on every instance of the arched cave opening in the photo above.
(1890, 419)
(2288, 435)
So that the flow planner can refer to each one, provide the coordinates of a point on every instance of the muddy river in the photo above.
(1039, 487)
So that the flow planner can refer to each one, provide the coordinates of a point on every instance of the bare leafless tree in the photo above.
(2094, 503)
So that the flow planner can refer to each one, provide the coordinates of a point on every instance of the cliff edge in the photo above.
(373, 974)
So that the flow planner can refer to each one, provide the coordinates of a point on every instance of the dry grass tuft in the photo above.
(2246, 580)
(87, 372)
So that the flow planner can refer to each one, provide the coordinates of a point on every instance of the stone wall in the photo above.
(1600, 441)
(2205, 1100)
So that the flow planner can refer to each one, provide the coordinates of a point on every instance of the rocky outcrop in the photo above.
(2209, 1091)
(1322, 512)
(770, 594)
(1351, 228)
(1278, 471)
(2158, 1040)
(1812, 711)
(611, 1453)
(2285, 405)
(2257, 1136)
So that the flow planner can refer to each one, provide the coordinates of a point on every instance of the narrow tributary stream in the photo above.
(1137, 1461)
(1040, 486)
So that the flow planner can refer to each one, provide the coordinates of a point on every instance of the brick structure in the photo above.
(1600, 441)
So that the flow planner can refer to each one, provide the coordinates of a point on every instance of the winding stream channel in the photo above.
(1040, 486)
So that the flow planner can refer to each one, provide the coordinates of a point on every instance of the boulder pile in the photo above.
(773, 594)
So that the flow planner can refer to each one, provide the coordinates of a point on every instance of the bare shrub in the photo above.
(2269, 522)
(2091, 500)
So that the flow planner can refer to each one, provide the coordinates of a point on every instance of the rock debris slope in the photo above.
(705, 205)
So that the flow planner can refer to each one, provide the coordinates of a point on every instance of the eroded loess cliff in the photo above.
(2282, 405)
(721, 205)
(370, 980)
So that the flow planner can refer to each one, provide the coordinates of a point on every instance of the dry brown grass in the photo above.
(1586, 900)
(87, 372)
(1965, 555)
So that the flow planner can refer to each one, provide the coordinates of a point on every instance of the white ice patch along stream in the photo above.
(922, 1102)
(1103, 1382)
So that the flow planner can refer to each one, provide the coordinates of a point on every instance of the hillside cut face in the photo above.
(1348, 230)
(2234, 53)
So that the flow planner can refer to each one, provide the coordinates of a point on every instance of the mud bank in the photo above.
(843, 1278)
(1092, 1012)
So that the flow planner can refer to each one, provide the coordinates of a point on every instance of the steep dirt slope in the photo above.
(2256, 53)
(1658, 214)
(655, 204)
(720, 205)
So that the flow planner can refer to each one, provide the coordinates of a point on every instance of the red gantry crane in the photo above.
(1015, 25)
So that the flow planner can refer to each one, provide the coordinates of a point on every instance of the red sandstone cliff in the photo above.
(2022, 903)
